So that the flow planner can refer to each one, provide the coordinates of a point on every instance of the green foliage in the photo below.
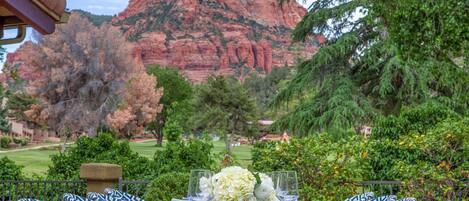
(168, 186)
(183, 156)
(9, 170)
(5, 125)
(432, 164)
(361, 71)
(5, 142)
(173, 131)
(21, 141)
(328, 169)
(264, 89)
(426, 28)
(223, 105)
(412, 119)
(177, 94)
(176, 87)
(103, 149)
(96, 20)
(18, 103)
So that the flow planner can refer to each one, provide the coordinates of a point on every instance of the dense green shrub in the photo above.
(183, 156)
(412, 119)
(5, 142)
(168, 186)
(9, 170)
(328, 169)
(433, 165)
(21, 141)
(173, 131)
(426, 147)
(104, 148)
(386, 153)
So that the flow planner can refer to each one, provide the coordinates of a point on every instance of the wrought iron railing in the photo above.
(40, 189)
(136, 188)
(54, 190)
(381, 187)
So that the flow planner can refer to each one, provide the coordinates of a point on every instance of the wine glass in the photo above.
(287, 185)
(195, 192)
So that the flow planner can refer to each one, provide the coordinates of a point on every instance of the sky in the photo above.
(103, 7)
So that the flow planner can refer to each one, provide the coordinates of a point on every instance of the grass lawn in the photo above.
(37, 161)
(242, 153)
(34, 161)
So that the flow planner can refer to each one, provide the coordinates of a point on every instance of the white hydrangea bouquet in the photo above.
(239, 184)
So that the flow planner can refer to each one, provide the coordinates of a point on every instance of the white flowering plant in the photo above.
(238, 184)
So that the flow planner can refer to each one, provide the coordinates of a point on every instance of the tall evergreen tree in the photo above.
(225, 106)
(5, 125)
(370, 65)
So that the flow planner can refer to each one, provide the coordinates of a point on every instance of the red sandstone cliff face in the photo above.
(204, 37)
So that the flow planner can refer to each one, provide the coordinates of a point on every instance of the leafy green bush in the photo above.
(173, 131)
(426, 147)
(104, 148)
(9, 170)
(433, 165)
(386, 153)
(21, 141)
(328, 169)
(183, 156)
(415, 119)
(168, 186)
(5, 142)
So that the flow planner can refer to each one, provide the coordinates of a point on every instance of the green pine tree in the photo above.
(367, 67)
(5, 125)
(224, 106)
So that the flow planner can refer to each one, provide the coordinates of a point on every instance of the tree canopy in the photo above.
(82, 68)
(379, 56)
(225, 106)
(177, 90)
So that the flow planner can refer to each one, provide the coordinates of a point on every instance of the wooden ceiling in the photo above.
(42, 15)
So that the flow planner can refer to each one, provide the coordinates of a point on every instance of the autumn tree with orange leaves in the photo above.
(140, 106)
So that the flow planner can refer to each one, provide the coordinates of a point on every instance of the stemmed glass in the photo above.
(286, 185)
(195, 193)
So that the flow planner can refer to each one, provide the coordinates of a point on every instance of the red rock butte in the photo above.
(204, 37)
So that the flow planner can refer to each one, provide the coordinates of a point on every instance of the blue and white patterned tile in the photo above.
(362, 197)
(121, 195)
(385, 198)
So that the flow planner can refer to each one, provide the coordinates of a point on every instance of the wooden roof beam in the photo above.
(31, 14)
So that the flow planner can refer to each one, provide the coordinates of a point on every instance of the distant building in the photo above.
(19, 129)
(279, 138)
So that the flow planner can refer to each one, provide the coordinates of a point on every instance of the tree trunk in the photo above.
(158, 137)
(92, 132)
(228, 143)
(160, 140)
(64, 145)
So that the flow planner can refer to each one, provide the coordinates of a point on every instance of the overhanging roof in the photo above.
(42, 15)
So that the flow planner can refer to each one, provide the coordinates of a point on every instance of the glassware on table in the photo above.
(286, 185)
(194, 192)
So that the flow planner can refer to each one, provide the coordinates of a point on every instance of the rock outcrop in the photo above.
(203, 37)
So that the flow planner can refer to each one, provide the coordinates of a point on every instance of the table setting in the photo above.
(239, 184)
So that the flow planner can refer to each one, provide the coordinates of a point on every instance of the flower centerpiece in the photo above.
(238, 184)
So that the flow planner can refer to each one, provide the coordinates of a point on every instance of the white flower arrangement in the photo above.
(238, 184)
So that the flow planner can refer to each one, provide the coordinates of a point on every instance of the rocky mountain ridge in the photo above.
(203, 37)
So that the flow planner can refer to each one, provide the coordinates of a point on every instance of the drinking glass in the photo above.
(194, 192)
(286, 185)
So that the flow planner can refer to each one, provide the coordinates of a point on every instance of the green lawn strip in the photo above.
(38, 161)
(33, 161)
